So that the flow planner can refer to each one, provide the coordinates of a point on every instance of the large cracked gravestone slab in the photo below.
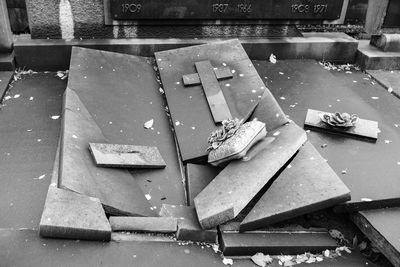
(235, 186)
(200, 92)
(121, 93)
(73, 216)
(369, 170)
(306, 185)
(117, 190)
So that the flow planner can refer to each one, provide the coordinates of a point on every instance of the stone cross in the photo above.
(208, 77)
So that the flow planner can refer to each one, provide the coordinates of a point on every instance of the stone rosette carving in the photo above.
(337, 119)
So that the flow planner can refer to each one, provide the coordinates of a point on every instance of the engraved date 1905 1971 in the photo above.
(316, 9)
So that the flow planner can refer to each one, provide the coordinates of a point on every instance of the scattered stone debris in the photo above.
(345, 67)
(290, 260)
(62, 74)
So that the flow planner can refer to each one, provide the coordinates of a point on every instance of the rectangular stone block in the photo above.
(372, 58)
(306, 185)
(126, 156)
(73, 216)
(364, 129)
(248, 244)
(188, 225)
(117, 189)
(235, 186)
(144, 224)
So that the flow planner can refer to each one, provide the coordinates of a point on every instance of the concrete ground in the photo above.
(29, 131)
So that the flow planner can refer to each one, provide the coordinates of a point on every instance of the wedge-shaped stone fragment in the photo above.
(144, 224)
(126, 156)
(73, 216)
(229, 192)
(287, 243)
(189, 106)
(198, 177)
(188, 224)
(363, 128)
(306, 185)
(117, 189)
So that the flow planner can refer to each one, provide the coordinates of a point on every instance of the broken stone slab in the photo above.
(188, 226)
(144, 224)
(198, 177)
(306, 185)
(117, 189)
(364, 129)
(235, 186)
(73, 216)
(266, 112)
(286, 243)
(381, 226)
(122, 93)
(126, 156)
(189, 108)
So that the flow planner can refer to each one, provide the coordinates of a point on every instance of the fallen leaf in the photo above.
(272, 58)
(148, 124)
(227, 261)
(147, 196)
(363, 245)
(40, 177)
(261, 260)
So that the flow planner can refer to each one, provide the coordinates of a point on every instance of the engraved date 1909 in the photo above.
(131, 8)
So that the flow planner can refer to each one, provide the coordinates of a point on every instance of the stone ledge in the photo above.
(46, 54)
(7, 61)
(372, 58)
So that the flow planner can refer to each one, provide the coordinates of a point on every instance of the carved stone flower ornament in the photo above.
(339, 119)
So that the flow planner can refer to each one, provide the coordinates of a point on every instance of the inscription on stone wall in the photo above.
(225, 9)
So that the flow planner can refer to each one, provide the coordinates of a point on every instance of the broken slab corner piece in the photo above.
(73, 216)
(235, 186)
